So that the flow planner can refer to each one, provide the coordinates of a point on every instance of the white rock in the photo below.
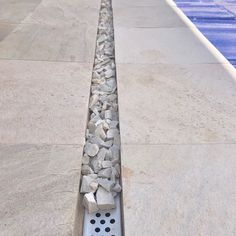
(116, 188)
(108, 155)
(102, 154)
(96, 140)
(107, 144)
(105, 200)
(109, 73)
(113, 124)
(86, 170)
(102, 38)
(116, 140)
(105, 173)
(93, 100)
(96, 165)
(106, 184)
(115, 151)
(90, 203)
(108, 114)
(85, 159)
(117, 167)
(94, 176)
(106, 164)
(100, 132)
(114, 194)
(111, 82)
(91, 149)
(112, 97)
(112, 133)
(94, 186)
(88, 184)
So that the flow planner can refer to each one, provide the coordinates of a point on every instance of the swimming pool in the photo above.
(216, 20)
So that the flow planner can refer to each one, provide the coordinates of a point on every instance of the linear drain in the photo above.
(103, 223)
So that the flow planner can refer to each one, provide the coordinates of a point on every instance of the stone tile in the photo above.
(39, 189)
(14, 11)
(54, 13)
(176, 104)
(45, 42)
(160, 45)
(179, 190)
(155, 16)
(43, 102)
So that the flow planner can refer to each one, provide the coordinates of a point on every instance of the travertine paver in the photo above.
(53, 32)
(179, 189)
(38, 189)
(190, 103)
(157, 45)
(43, 102)
(46, 58)
(177, 122)
(143, 16)
(14, 11)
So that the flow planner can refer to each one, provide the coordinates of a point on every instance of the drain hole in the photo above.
(98, 214)
(98, 230)
(112, 221)
(107, 229)
(102, 222)
(92, 222)
(107, 214)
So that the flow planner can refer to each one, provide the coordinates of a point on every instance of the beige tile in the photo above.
(179, 190)
(65, 13)
(160, 45)
(176, 104)
(39, 189)
(43, 102)
(14, 11)
(44, 42)
(154, 16)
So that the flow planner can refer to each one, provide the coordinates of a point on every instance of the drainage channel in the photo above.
(100, 181)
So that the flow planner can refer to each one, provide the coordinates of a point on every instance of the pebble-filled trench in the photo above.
(100, 181)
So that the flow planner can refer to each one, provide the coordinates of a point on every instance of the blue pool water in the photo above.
(216, 19)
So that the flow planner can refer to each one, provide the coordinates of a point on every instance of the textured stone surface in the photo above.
(153, 16)
(176, 104)
(156, 45)
(43, 102)
(37, 42)
(105, 199)
(179, 189)
(15, 11)
(38, 189)
(43, 113)
(90, 203)
(49, 30)
(177, 124)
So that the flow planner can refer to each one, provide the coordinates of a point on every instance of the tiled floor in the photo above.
(177, 120)
(46, 58)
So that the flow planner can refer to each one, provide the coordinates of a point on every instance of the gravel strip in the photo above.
(101, 157)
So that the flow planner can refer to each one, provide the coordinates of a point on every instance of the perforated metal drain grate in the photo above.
(103, 223)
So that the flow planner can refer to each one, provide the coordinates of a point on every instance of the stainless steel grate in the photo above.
(103, 223)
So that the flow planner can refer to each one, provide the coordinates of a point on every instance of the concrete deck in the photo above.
(178, 124)
(46, 58)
